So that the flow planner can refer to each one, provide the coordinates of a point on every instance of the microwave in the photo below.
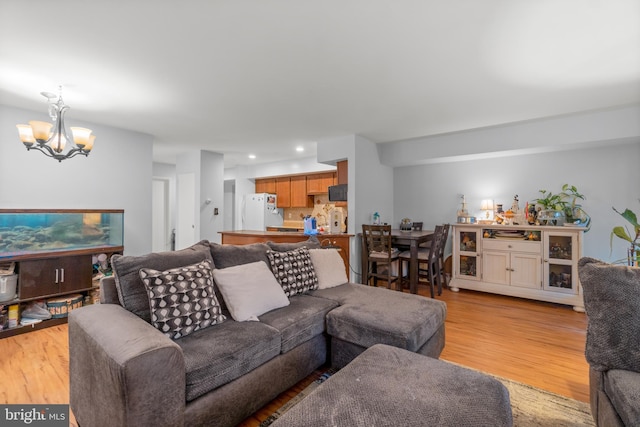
(338, 193)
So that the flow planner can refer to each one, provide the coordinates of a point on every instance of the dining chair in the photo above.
(441, 268)
(380, 255)
(428, 261)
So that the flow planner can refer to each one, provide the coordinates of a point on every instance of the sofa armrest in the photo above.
(122, 370)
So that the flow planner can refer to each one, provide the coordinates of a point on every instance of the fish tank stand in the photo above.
(58, 257)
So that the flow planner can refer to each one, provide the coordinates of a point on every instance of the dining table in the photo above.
(413, 239)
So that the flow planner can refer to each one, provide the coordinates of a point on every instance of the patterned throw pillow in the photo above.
(182, 299)
(294, 271)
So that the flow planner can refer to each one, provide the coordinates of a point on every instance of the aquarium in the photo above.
(28, 232)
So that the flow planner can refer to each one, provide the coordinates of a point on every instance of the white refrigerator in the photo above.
(261, 211)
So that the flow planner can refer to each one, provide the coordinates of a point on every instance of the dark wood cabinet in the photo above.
(54, 276)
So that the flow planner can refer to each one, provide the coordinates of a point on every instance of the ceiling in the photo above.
(262, 77)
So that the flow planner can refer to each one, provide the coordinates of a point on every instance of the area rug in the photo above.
(530, 406)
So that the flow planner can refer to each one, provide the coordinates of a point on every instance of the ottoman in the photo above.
(369, 315)
(389, 386)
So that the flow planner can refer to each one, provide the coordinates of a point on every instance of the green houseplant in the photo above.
(563, 206)
(633, 253)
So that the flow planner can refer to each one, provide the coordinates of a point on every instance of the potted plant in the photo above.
(562, 207)
(633, 253)
(572, 211)
(551, 208)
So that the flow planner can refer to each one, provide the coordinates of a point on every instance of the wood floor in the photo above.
(536, 343)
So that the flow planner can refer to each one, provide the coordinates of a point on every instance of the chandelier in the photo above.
(51, 138)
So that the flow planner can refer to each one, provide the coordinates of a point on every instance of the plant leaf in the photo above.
(630, 216)
(620, 232)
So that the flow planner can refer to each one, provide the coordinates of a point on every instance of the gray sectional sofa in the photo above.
(124, 371)
(612, 304)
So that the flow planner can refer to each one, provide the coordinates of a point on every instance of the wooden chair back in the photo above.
(377, 239)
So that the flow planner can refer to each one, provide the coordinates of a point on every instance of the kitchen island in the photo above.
(245, 237)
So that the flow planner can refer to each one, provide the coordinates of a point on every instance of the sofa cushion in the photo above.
(294, 271)
(311, 243)
(612, 302)
(300, 321)
(182, 299)
(623, 389)
(131, 291)
(369, 315)
(229, 255)
(215, 356)
(249, 290)
(329, 267)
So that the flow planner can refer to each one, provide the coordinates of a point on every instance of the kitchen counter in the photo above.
(245, 237)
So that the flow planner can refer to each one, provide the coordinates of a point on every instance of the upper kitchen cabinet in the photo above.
(320, 183)
(299, 193)
(283, 192)
(343, 168)
(266, 185)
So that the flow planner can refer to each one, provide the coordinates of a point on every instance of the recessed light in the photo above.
(299, 149)
(252, 156)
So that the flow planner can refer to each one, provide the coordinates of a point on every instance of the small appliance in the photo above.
(335, 221)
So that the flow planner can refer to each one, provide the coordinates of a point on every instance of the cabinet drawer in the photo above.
(512, 245)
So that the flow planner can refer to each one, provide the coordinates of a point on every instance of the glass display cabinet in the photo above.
(560, 262)
(467, 261)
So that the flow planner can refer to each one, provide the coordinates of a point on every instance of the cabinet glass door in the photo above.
(468, 263)
(560, 273)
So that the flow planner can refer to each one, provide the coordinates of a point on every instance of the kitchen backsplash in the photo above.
(293, 217)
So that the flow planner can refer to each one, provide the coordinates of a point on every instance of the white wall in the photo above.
(116, 175)
(211, 188)
(370, 186)
(560, 133)
(607, 175)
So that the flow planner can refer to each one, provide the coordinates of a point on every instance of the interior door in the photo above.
(160, 215)
(186, 221)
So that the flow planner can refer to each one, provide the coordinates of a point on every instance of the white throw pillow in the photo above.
(249, 290)
(329, 267)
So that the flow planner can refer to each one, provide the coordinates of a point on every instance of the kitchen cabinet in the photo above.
(536, 262)
(342, 177)
(283, 192)
(342, 172)
(299, 197)
(266, 185)
(319, 183)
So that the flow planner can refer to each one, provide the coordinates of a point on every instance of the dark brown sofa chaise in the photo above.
(126, 372)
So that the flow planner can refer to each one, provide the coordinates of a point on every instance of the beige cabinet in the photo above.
(512, 264)
(536, 262)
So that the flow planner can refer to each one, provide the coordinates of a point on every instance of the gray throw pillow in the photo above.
(612, 303)
(294, 271)
(181, 299)
(311, 243)
(225, 256)
(131, 291)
